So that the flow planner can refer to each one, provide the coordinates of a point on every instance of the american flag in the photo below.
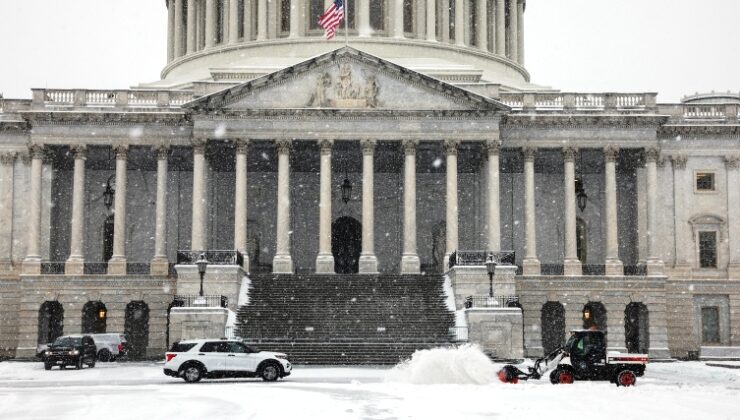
(331, 19)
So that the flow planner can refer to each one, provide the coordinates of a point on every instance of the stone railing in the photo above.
(109, 98)
(214, 257)
(492, 302)
(580, 101)
(477, 258)
(715, 113)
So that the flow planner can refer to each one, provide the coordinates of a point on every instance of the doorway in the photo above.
(94, 318)
(51, 322)
(346, 245)
(636, 328)
(553, 326)
(136, 328)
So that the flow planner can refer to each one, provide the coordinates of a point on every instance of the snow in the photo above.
(682, 390)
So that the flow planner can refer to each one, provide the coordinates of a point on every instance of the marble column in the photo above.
(396, 18)
(368, 260)
(7, 171)
(75, 264)
(431, 14)
(32, 262)
(520, 34)
(170, 30)
(530, 263)
(572, 265)
(159, 265)
(240, 202)
(613, 266)
(191, 26)
(500, 29)
(211, 25)
(445, 30)
(248, 20)
(363, 18)
(198, 230)
(410, 263)
(179, 26)
(283, 262)
(261, 20)
(494, 209)
(481, 26)
(732, 165)
(655, 266)
(452, 201)
(681, 193)
(459, 22)
(325, 259)
(513, 30)
(233, 21)
(117, 263)
(296, 6)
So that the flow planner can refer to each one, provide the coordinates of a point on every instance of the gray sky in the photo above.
(673, 47)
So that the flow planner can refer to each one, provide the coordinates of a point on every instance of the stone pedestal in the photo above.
(196, 323)
(531, 267)
(410, 264)
(572, 268)
(223, 280)
(117, 266)
(614, 268)
(282, 264)
(325, 264)
(159, 267)
(74, 267)
(498, 331)
(368, 264)
(655, 268)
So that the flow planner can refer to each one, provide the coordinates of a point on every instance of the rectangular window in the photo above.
(408, 16)
(377, 15)
(705, 181)
(284, 15)
(220, 21)
(708, 249)
(710, 325)
(240, 18)
(316, 9)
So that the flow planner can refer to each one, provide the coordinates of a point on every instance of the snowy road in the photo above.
(140, 390)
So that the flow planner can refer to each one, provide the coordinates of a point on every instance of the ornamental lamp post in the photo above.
(202, 263)
(346, 190)
(491, 268)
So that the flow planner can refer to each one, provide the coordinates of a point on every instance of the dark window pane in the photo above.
(705, 181)
(285, 15)
(408, 15)
(710, 324)
(181, 348)
(240, 18)
(377, 15)
(210, 347)
(316, 10)
(708, 249)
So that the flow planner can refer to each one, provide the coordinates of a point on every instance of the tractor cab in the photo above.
(587, 351)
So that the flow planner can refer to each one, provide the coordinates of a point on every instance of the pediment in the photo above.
(346, 79)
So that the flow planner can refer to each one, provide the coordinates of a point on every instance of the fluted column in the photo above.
(452, 201)
(410, 263)
(481, 25)
(249, 20)
(117, 263)
(211, 26)
(732, 165)
(614, 266)
(363, 18)
(431, 14)
(191, 26)
(396, 18)
(75, 264)
(170, 30)
(240, 202)
(32, 262)
(7, 170)
(445, 29)
(655, 266)
(179, 35)
(198, 226)
(530, 264)
(500, 29)
(512, 31)
(283, 262)
(159, 265)
(494, 210)
(325, 259)
(459, 22)
(572, 265)
(234, 21)
(520, 34)
(368, 260)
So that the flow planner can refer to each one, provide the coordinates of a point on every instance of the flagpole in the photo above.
(346, 25)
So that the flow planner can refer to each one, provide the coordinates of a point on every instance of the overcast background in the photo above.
(673, 47)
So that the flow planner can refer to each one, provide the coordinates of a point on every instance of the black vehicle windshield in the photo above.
(67, 341)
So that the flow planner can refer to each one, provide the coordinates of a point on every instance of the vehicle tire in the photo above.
(191, 373)
(270, 372)
(105, 355)
(47, 366)
(561, 376)
(91, 363)
(626, 378)
(78, 364)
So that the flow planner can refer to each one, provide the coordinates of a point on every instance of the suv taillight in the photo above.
(120, 347)
(170, 356)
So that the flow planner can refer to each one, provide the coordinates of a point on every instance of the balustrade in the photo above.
(108, 98)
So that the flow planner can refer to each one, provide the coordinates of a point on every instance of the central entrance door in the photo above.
(346, 245)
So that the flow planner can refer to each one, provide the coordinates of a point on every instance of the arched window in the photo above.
(136, 328)
(594, 316)
(94, 318)
(51, 322)
(581, 240)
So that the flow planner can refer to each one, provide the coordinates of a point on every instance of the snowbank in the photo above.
(462, 365)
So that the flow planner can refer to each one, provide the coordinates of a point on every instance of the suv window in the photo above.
(234, 347)
(182, 347)
(214, 347)
(67, 341)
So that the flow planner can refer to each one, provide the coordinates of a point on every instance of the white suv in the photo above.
(193, 360)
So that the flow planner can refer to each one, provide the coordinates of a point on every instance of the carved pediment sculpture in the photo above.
(342, 91)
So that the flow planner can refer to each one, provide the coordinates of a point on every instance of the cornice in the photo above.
(519, 120)
(670, 130)
(106, 118)
(346, 114)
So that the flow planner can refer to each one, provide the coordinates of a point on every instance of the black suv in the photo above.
(71, 350)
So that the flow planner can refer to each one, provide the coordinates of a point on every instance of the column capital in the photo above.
(79, 151)
(732, 161)
(529, 152)
(368, 146)
(569, 153)
(162, 150)
(121, 151)
(611, 152)
(199, 144)
(241, 145)
(325, 146)
(36, 151)
(283, 145)
(652, 155)
(493, 146)
(679, 161)
(451, 146)
(409, 146)
(8, 158)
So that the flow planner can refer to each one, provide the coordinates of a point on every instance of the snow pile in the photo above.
(244, 292)
(462, 365)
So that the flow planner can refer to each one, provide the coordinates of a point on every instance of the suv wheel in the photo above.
(104, 355)
(270, 372)
(191, 373)
(47, 366)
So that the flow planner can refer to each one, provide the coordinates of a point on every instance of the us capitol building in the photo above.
(348, 197)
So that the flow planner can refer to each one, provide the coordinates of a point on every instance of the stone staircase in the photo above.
(345, 319)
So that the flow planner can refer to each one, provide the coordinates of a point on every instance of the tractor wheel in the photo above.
(508, 374)
(626, 378)
(561, 376)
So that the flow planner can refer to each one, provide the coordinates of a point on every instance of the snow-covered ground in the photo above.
(425, 390)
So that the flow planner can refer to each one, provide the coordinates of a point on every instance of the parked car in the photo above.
(111, 346)
(193, 360)
(71, 350)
